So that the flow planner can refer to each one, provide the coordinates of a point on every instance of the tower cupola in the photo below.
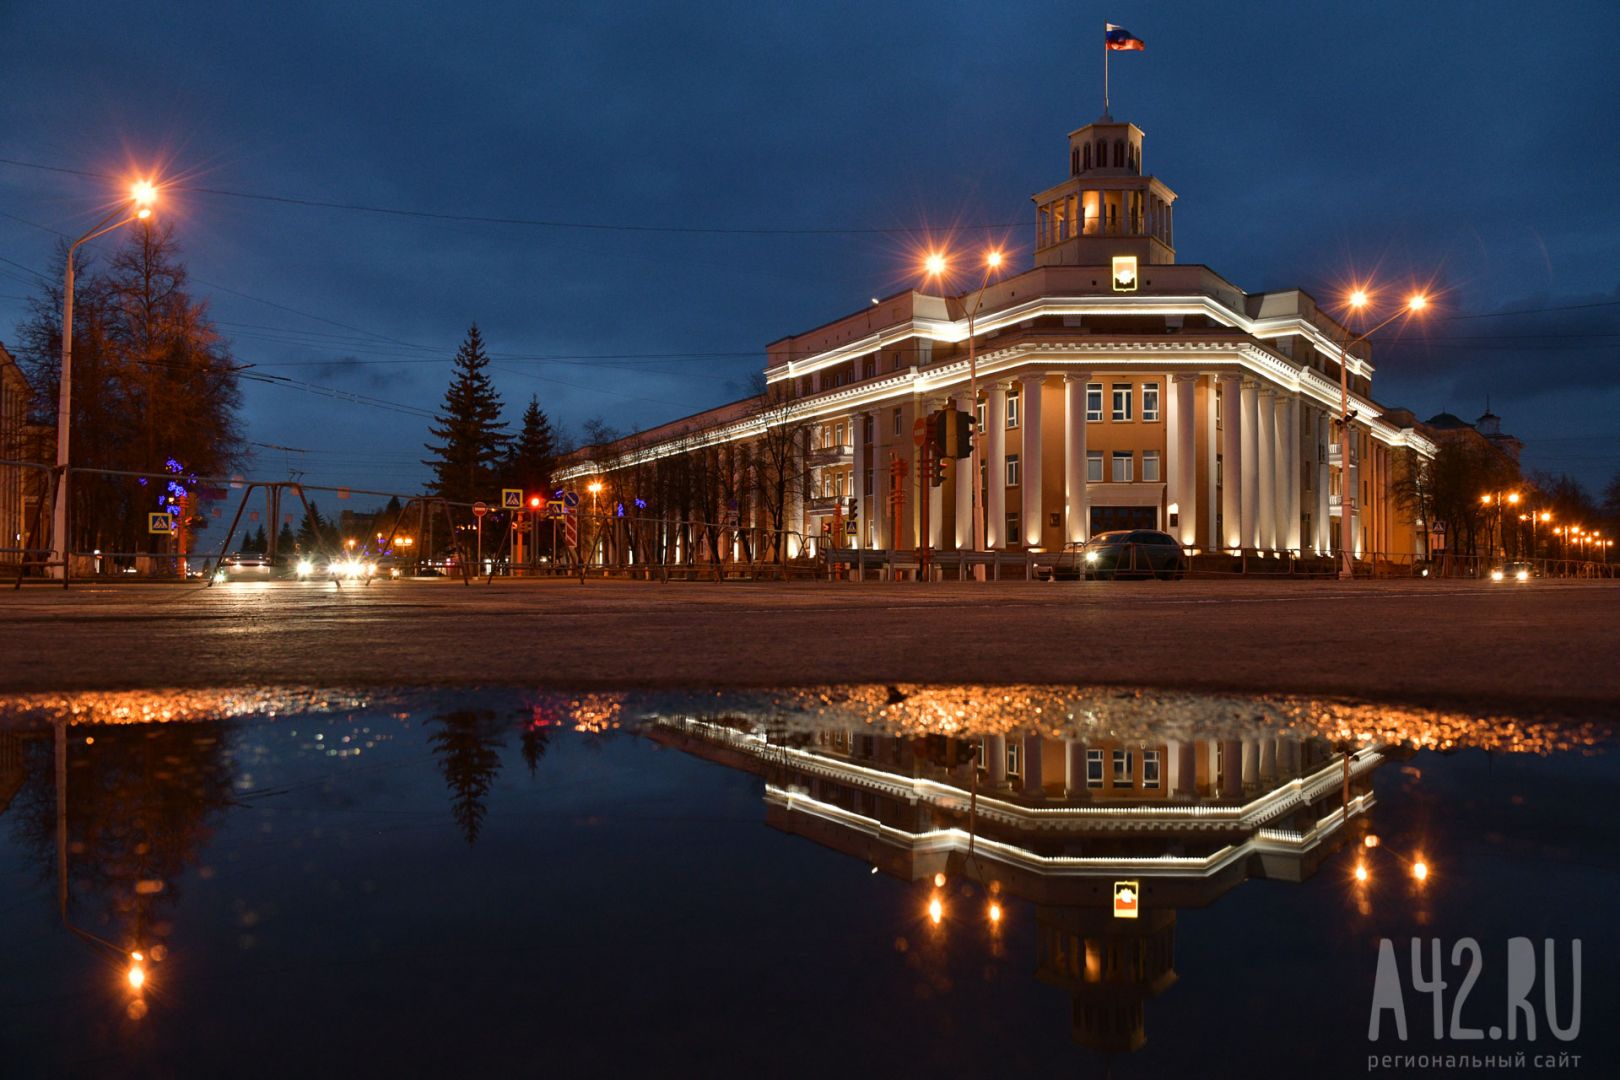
(1108, 206)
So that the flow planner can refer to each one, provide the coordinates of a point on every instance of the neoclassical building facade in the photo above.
(1116, 389)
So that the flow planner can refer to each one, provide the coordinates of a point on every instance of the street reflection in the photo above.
(1057, 822)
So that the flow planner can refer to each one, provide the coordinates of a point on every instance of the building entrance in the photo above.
(1109, 518)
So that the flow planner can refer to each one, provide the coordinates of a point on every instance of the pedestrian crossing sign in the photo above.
(160, 523)
(511, 498)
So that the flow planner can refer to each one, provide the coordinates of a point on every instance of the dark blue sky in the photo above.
(1468, 145)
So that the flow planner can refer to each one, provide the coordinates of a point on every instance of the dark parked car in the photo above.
(1126, 553)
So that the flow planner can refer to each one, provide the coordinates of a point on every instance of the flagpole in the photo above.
(1105, 69)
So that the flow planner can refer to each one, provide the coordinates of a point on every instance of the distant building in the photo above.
(1117, 389)
(20, 488)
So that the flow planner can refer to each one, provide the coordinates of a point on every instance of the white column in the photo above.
(1267, 438)
(793, 504)
(1029, 462)
(1208, 440)
(1075, 511)
(1249, 425)
(1184, 431)
(857, 438)
(1231, 460)
(995, 511)
(1172, 455)
(964, 490)
(1324, 522)
(1292, 475)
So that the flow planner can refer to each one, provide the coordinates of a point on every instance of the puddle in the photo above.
(873, 880)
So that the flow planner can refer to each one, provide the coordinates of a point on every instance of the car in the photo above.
(1122, 553)
(245, 566)
(1519, 572)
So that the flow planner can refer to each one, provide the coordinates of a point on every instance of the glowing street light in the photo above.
(936, 910)
(1420, 870)
(1357, 300)
(935, 266)
(137, 208)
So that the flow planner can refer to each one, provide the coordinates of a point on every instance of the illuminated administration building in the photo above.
(1166, 399)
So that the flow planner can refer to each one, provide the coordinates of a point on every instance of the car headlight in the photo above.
(1522, 575)
(1496, 575)
(305, 568)
(219, 575)
(1091, 556)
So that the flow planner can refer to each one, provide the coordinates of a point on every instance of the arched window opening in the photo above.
(1087, 156)
(1119, 154)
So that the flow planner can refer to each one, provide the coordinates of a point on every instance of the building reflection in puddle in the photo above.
(1061, 823)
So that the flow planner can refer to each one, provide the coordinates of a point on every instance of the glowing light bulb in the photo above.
(1418, 302)
(995, 913)
(939, 880)
(137, 976)
(994, 259)
(1361, 872)
(1420, 869)
(1358, 299)
(935, 264)
(936, 911)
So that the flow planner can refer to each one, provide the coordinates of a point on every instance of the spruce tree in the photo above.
(529, 462)
(468, 429)
(285, 540)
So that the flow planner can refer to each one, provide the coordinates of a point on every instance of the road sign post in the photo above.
(479, 509)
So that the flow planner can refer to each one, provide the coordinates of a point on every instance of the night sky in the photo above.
(1468, 147)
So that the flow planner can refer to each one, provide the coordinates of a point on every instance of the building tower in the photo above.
(1107, 206)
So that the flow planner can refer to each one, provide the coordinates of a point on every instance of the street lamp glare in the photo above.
(594, 486)
(1418, 302)
(1358, 299)
(993, 259)
(144, 193)
(935, 264)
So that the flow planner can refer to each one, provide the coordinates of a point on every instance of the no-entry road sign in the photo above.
(480, 509)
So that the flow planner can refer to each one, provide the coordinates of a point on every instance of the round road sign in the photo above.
(919, 431)
(480, 509)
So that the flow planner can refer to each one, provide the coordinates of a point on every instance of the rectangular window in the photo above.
(979, 423)
(1015, 757)
(1150, 768)
(866, 430)
(869, 482)
(1094, 403)
(897, 421)
(1012, 470)
(1012, 410)
(1094, 466)
(1150, 401)
(838, 485)
(1094, 768)
(1122, 467)
(1122, 401)
(838, 435)
(869, 369)
(1015, 533)
(1124, 773)
(1150, 467)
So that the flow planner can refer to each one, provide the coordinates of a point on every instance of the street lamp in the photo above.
(138, 207)
(935, 264)
(1357, 301)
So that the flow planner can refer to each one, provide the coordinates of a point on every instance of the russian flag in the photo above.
(1120, 39)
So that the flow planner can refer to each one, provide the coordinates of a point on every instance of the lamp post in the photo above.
(1357, 300)
(595, 488)
(936, 265)
(138, 207)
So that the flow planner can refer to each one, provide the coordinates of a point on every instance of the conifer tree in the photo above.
(468, 430)
(529, 461)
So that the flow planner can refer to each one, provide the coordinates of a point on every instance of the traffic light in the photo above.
(945, 471)
(952, 433)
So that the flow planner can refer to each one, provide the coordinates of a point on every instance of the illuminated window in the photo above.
(979, 422)
(1012, 410)
(1122, 402)
(1122, 467)
(1094, 768)
(1094, 403)
(1124, 773)
(1150, 467)
(1150, 768)
(1094, 466)
(1012, 470)
(1150, 401)
(1015, 757)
